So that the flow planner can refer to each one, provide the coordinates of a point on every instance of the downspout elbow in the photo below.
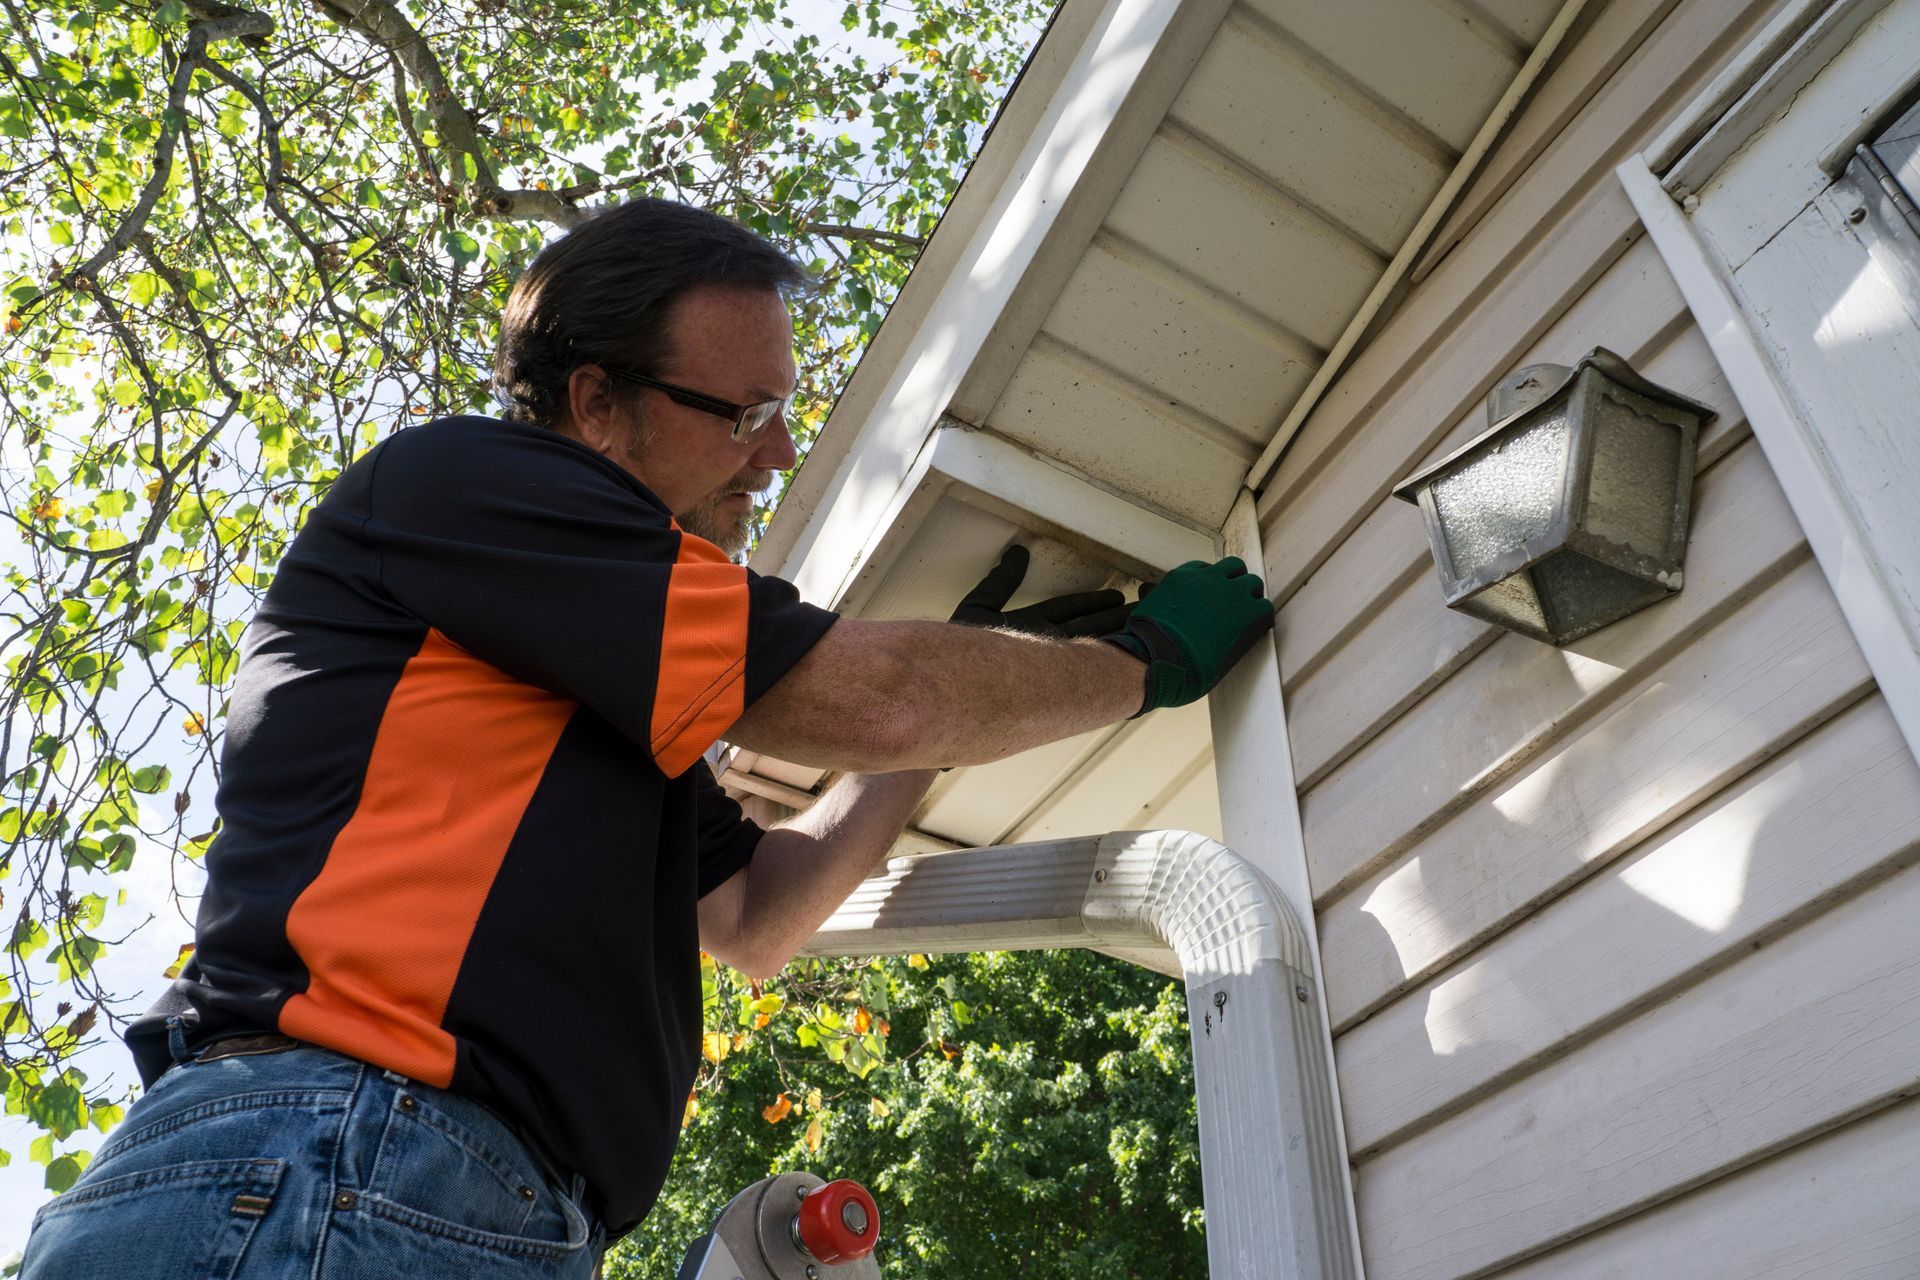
(1269, 1129)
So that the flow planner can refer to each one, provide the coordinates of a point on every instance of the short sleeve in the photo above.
(727, 836)
(544, 559)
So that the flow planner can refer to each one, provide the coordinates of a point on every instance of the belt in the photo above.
(247, 1046)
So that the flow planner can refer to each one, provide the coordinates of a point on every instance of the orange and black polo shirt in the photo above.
(465, 821)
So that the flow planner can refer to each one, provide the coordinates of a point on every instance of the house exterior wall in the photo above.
(1617, 938)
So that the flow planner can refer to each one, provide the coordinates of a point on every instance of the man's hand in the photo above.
(873, 697)
(1199, 620)
(803, 869)
(1084, 613)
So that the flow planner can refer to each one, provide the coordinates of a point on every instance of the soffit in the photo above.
(1153, 348)
(1303, 147)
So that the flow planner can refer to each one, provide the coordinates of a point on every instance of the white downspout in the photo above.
(1272, 1166)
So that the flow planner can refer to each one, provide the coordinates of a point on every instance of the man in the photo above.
(442, 1016)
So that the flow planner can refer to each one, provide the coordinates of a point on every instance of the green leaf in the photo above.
(152, 779)
(29, 937)
(462, 246)
(40, 1150)
(60, 1109)
(60, 234)
(74, 959)
(63, 1173)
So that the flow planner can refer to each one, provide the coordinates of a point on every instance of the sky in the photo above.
(134, 970)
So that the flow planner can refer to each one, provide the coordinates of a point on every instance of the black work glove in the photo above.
(1197, 623)
(1084, 613)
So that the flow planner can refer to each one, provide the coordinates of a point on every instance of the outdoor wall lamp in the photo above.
(1571, 511)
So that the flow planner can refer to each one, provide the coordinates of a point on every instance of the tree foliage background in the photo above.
(1023, 1115)
(239, 243)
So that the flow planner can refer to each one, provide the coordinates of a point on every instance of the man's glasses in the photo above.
(749, 420)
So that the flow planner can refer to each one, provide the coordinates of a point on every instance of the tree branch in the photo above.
(871, 235)
(382, 22)
(217, 11)
(239, 23)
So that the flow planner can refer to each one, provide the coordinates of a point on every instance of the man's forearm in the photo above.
(877, 696)
(803, 869)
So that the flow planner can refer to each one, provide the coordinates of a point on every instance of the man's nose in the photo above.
(776, 450)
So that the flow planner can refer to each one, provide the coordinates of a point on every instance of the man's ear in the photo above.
(592, 417)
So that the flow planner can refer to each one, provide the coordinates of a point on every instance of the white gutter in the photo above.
(1490, 131)
(1271, 1169)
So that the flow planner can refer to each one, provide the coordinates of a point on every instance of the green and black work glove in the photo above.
(1195, 625)
(1084, 613)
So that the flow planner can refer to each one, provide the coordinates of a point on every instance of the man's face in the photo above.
(732, 344)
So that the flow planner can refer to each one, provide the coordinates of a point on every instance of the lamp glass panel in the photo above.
(1583, 595)
(1636, 468)
(1510, 602)
(1505, 494)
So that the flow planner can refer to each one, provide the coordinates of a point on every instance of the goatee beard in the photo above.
(728, 535)
(727, 532)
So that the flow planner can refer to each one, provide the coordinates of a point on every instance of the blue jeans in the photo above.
(299, 1162)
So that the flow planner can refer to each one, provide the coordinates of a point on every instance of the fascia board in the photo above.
(1847, 557)
(1754, 88)
(1038, 493)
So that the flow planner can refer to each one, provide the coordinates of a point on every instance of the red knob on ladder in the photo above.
(838, 1222)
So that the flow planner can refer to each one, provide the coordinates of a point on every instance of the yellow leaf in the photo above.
(777, 1112)
(916, 961)
(715, 1046)
(153, 488)
(194, 724)
(51, 509)
(179, 962)
(879, 1109)
(693, 1109)
(760, 1020)
(814, 1100)
(814, 1131)
(862, 1022)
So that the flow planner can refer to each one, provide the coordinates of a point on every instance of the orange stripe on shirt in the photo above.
(385, 925)
(702, 686)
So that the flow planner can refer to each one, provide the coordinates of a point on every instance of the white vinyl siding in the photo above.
(1617, 936)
